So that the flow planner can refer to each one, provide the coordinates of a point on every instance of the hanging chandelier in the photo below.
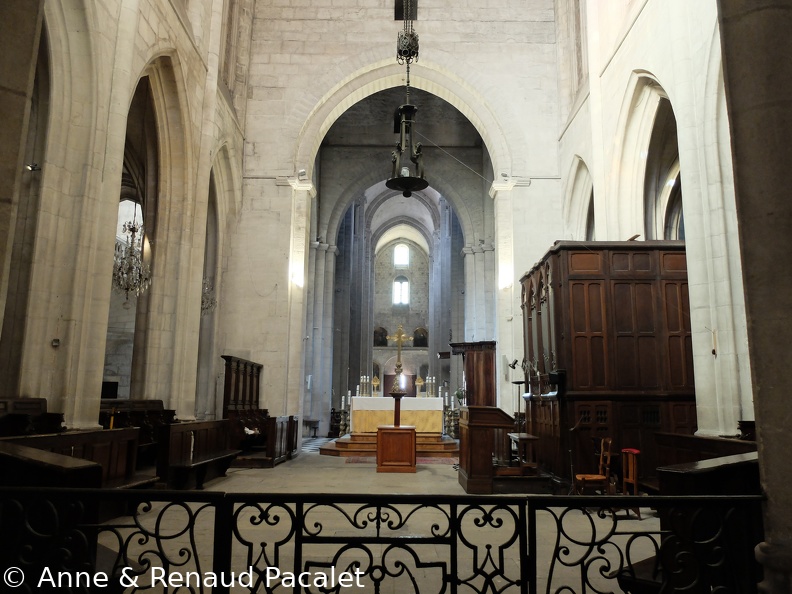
(407, 175)
(208, 301)
(130, 273)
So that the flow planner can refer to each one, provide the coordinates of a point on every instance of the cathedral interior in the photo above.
(571, 212)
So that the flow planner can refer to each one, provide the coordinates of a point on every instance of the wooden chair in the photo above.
(601, 480)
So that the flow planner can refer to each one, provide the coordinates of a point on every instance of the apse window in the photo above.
(401, 256)
(401, 291)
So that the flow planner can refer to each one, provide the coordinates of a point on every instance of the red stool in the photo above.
(629, 460)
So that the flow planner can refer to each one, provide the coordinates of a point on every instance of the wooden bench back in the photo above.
(115, 450)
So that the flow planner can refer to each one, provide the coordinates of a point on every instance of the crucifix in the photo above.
(397, 391)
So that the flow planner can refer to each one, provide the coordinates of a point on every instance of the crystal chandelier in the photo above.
(130, 273)
(407, 175)
(208, 301)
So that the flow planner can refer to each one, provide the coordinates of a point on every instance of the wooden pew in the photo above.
(25, 466)
(115, 450)
(193, 452)
(147, 415)
(742, 530)
(28, 416)
(678, 448)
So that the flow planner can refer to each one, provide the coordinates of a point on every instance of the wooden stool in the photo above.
(629, 462)
(525, 452)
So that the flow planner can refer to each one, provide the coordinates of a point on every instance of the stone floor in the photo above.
(314, 474)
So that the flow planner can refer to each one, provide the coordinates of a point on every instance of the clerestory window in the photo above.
(401, 291)
(401, 256)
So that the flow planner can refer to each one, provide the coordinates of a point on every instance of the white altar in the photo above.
(369, 412)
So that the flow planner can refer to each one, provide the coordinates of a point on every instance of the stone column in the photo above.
(302, 202)
(316, 331)
(321, 409)
(20, 31)
(308, 354)
(756, 45)
(504, 281)
(367, 299)
(470, 293)
(490, 291)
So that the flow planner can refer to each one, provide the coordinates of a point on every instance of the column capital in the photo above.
(507, 183)
(301, 185)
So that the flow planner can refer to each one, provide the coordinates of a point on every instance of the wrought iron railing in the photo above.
(216, 542)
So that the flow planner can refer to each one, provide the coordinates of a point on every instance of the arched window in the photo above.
(421, 337)
(401, 256)
(380, 337)
(401, 291)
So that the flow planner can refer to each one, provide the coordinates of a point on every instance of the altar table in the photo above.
(367, 413)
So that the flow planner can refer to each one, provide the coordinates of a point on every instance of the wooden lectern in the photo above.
(483, 427)
(396, 443)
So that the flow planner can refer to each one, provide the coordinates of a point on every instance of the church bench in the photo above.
(147, 415)
(113, 450)
(28, 416)
(25, 466)
(281, 438)
(193, 452)
(680, 448)
(742, 530)
(248, 428)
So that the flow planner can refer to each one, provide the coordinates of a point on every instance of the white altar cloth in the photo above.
(369, 412)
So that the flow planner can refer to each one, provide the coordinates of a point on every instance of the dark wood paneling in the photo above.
(483, 435)
(479, 365)
(585, 262)
(589, 345)
(621, 331)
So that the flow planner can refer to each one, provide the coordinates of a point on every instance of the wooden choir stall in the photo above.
(263, 439)
(607, 350)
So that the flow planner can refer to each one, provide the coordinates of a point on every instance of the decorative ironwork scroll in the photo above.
(201, 542)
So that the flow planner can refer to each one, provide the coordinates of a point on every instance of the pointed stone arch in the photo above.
(174, 296)
(382, 75)
(625, 207)
(577, 199)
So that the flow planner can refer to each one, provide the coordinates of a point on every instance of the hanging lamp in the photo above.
(407, 175)
(131, 274)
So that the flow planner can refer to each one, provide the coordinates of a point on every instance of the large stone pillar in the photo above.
(20, 31)
(303, 195)
(756, 45)
(316, 331)
(470, 292)
(322, 408)
(507, 297)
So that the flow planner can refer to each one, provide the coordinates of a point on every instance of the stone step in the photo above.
(365, 444)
